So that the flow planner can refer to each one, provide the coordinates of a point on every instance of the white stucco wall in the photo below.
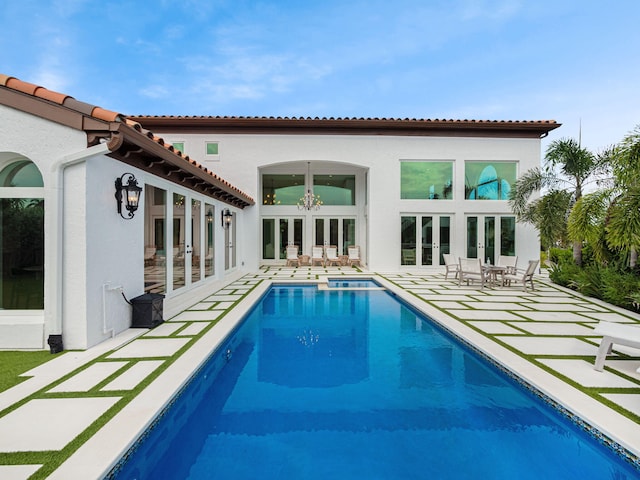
(43, 143)
(241, 156)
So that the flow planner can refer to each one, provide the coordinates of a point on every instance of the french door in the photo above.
(279, 232)
(425, 238)
(489, 236)
(338, 231)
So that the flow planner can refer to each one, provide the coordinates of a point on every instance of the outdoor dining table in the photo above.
(493, 271)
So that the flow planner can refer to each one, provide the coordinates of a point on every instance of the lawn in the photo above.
(13, 363)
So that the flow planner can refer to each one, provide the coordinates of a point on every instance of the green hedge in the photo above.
(613, 284)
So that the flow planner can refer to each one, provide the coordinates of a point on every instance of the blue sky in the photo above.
(574, 61)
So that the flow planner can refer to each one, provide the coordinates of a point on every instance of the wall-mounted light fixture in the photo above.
(132, 194)
(226, 216)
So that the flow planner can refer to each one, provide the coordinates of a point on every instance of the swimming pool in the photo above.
(355, 384)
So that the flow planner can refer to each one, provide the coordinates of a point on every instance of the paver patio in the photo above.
(548, 329)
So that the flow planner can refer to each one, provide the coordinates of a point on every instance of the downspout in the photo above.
(53, 315)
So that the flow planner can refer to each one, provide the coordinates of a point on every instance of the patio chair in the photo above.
(619, 333)
(354, 255)
(471, 269)
(511, 262)
(331, 255)
(523, 276)
(450, 265)
(317, 255)
(149, 255)
(292, 256)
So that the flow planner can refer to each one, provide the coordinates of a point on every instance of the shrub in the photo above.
(589, 281)
(620, 288)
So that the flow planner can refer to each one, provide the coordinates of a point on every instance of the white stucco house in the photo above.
(405, 191)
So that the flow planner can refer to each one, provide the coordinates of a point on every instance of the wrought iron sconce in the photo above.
(226, 217)
(132, 194)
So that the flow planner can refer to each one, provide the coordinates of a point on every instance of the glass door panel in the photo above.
(333, 232)
(232, 246)
(319, 234)
(178, 253)
(155, 244)
(445, 238)
(298, 228)
(284, 238)
(490, 240)
(427, 241)
(209, 268)
(508, 236)
(196, 247)
(472, 237)
(268, 238)
(348, 234)
(408, 241)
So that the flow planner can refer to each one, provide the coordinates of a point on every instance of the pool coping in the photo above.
(97, 457)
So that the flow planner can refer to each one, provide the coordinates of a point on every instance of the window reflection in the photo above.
(426, 180)
(335, 189)
(489, 180)
(282, 189)
(22, 253)
(155, 244)
(209, 241)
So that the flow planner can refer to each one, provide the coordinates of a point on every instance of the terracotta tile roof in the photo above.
(240, 198)
(350, 125)
(347, 119)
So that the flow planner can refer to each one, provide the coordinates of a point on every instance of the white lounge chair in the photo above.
(523, 276)
(471, 269)
(317, 255)
(354, 255)
(618, 333)
(331, 255)
(292, 256)
(450, 265)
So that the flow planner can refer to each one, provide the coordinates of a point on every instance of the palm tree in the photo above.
(610, 218)
(567, 169)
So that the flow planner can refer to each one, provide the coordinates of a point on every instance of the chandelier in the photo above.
(309, 201)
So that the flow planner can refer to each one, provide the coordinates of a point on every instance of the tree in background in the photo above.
(610, 218)
(567, 169)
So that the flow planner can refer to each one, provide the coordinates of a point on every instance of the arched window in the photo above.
(22, 242)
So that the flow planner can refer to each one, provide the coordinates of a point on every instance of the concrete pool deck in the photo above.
(545, 336)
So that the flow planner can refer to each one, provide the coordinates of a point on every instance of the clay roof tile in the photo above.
(21, 86)
(52, 96)
(106, 115)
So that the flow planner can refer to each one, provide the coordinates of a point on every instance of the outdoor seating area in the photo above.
(502, 274)
(324, 256)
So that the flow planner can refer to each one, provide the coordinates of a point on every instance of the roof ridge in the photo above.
(346, 119)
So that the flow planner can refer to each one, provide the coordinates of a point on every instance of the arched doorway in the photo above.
(22, 238)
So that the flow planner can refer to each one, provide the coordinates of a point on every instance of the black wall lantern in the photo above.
(131, 194)
(226, 216)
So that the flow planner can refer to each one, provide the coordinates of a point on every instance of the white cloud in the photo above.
(154, 91)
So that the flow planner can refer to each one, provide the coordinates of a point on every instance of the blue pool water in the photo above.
(352, 283)
(354, 384)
